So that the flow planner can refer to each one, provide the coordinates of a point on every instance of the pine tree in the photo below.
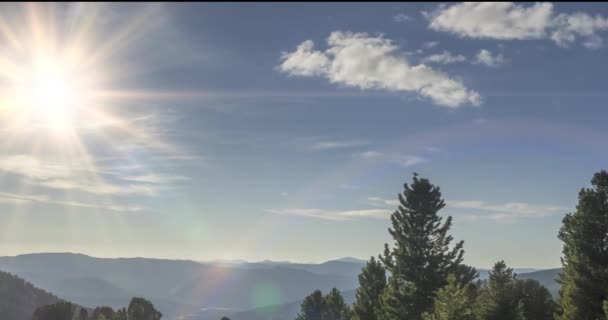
(498, 299)
(58, 311)
(142, 309)
(584, 276)
(83, 314)
(536, 300)
(335, 307)
(372, 282)
(421, 256)
(453, 302)
(329, 307)
(313, 307)
(103, 313)
(397, 300)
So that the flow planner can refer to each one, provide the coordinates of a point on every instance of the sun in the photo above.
(51, 95)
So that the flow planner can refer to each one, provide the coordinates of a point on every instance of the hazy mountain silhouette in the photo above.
(19, 298)
(246, 291)
(178, 286)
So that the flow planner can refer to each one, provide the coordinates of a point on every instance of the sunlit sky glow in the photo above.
(285, 131)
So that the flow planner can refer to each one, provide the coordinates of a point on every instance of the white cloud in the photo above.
(33, 167)
(367, 62)
(430, 44)
(377, 201)
(305, 61)
(22, 199)
(486, 58)
(495, 20)
(398, 158)
(52, 174)
(510, 21)
(100, 187)
(444, 58)
(402, 17)
(328, 145)
(507, 211)
(568, 27)
(334, 215)
(157, 178)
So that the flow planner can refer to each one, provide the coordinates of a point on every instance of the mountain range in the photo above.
(184, 289)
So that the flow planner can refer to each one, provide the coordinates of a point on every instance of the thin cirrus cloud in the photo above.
(511, 21)
(445, 57)
(510, 211)
(374, 63)
(404, 160)
(24, 199)
(487, 58)
(378, 201)
(337, 144)
(332, 215)
(502, 212)
(401, 18)
(54, 175)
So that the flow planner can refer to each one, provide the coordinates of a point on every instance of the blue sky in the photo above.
(285, 131)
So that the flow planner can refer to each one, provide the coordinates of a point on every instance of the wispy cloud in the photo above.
(157, 178)
(397, 158)
(430, 44)
(23, 199)
(402, 17)
(337, 144)
(445, 57)
(511, 21)
(77, 177)
(333, 215)
(509, 211)
(374, 63)
(378, 201)
(489, 59)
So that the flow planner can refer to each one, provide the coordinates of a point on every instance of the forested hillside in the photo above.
(19, 298)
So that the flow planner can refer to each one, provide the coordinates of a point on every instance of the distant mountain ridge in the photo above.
(178, 286)
(194, 290)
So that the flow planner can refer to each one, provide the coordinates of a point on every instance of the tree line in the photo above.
(422, 275)
(138, 309)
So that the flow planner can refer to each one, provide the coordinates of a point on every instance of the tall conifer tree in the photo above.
(421, 257)
(584, 277)
(372, 282)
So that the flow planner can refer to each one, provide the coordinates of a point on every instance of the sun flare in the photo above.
(51, 95)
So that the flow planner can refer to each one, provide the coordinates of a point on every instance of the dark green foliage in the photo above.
(329, 307)
(453, 302)
(422, 255)
(498, 299)
(103, 313)
(57, 311)
(372, 282)
(397, 300)
(337, 309)
(120, 314)
(142, 309)
(584, 233)
(83, 314)
(225, 318)
(19, 298)
(536, 300)
(312, 307)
